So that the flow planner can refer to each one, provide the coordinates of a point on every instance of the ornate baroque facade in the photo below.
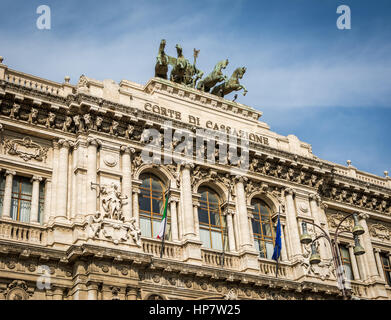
(76, 221)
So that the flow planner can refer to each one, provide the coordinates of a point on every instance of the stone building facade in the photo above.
(80, 206)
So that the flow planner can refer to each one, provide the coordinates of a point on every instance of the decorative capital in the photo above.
(36, 178)
(187, 165)
(363, 215)
(290, 191)
(377, 250)
(241, 179)
(94, 142)
(173, 199)
(62, 143)
(314, 197)
(48, 180)
(127, 149)
(10, 172)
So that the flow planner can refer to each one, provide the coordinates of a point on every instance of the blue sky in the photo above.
(329, 87)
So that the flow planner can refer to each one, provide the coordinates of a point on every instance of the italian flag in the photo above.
(163, 223)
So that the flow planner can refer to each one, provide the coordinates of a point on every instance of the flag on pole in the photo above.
(277, 244)
(162, 229)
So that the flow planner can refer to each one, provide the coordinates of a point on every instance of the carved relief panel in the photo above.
(26, 148)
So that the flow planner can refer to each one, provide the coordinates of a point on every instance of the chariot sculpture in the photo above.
(185, 73)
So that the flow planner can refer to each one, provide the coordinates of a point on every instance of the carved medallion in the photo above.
(124, 271)
(156, 278)
(17, 290)
(110, 161)
(31, 267)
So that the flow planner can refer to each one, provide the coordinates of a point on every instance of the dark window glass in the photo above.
(212, 224)
(386, 267)
(151, 206)
(263, 229)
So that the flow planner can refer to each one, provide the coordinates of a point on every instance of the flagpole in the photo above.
(226, 229)
(278, 218)
(165, 223)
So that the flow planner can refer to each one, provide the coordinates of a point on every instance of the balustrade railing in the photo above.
(214, 258)
(33, 82)
(268, 268)
(22, 232)
(170, 251)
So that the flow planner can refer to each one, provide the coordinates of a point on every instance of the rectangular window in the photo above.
(21, 199)
(347, 264)
(386, 267)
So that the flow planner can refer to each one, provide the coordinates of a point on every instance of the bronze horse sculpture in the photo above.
(192, 74)
(162, 60)
(231, 85)
(179, 66)
(214, 77)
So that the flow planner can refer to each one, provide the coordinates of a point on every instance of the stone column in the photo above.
(187, 202)
(9, 176)
(62, 181)
(174, 219)
(53, 196)
(35, 199)
(230, 227)
(135, 207)
(367, 244)
(127, 181)
(284, 255)
(196, 220)
(131, 293)
(379, 264)
(58, 293)
(241, 204)
(356, 273)
(291, 222)
(92, 149)
(314, 206)
(48, 198)
(250, 227)
(92, 290)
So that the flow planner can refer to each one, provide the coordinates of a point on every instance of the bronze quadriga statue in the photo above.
(183, 72)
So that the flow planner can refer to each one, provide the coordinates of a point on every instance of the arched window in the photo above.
(212, 223)
(151, 206)
(263, 230)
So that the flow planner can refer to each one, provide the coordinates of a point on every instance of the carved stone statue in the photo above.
(214, 77)
(231, 85)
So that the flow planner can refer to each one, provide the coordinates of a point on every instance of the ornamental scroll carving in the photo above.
(335, 219)
(379, 231)
(26, 149)
(109, 223)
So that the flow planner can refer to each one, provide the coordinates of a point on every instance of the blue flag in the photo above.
(277, 244)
